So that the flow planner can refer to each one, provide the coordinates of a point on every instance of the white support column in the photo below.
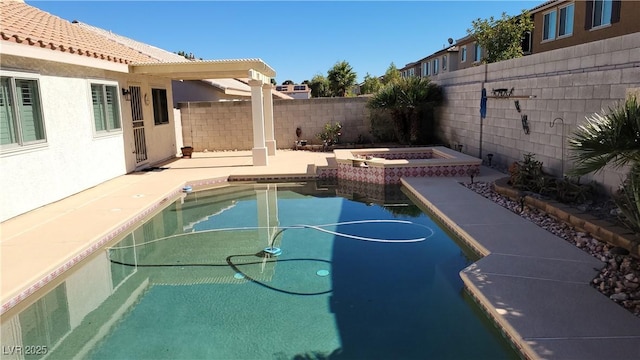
(268, 119)
(257, 111)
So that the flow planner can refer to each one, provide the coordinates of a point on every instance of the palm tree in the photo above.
(612, 139)
(403, 99)
(341, 78)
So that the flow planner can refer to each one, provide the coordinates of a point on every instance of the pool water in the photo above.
(354, 280)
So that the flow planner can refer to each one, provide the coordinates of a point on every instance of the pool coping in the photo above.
(491, 282)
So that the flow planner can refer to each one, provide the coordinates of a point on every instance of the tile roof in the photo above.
(149, 50)
(24, 24)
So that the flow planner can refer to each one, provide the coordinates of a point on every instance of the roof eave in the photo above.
(32, 52)
(199, 70)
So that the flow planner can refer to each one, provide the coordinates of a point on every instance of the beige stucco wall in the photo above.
(228, 125)
(569, 83)
(74, 158)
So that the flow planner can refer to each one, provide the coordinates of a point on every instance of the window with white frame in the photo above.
(412, 72)
(160, 108)
(106, 107)
(21, 120)
(602, 12)
(477, 51)
(565, 26)
(463, 54)
(549, 25)
(444, 62)
(425, 69)
(436, 65)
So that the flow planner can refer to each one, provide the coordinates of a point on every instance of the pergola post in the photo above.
(268, 119)
(257, 112)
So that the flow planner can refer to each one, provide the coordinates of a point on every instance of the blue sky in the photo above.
(299, 39)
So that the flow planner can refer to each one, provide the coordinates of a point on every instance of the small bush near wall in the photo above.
(382, 126)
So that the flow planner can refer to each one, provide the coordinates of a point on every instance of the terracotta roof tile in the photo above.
(24, 24)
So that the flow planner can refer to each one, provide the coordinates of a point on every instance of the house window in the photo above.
(602, 12)
(436, 64)
(160, 109)
(463, 54)
(444, 62)
(300, 88)
(477, 50)
(549, 26)
(425, 69)
(20, 111)
(565, 28)
(106, 108)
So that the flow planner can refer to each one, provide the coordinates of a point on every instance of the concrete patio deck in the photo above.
(535, 285)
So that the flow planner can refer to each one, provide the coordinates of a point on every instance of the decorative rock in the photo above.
(619, 297)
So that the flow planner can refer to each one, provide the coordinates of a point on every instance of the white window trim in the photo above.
(601, 26)
(558, 36)
(17, 148)
(104, 133)
(463, 52)
(166, 89)
(477, 54)
(555, 32)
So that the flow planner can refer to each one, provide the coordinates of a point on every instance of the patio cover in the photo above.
(259, 74)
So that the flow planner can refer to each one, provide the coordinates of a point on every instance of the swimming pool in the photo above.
(202, 280)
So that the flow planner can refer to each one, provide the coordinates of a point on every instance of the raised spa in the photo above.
(387, 166)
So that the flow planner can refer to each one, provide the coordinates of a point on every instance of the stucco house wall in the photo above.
(75, 158)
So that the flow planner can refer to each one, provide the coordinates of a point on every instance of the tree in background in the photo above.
(370, 85)
(273, 81)
(288, 82)
(188, 56)
(341, 78)
(319, 86)
(391, 75)
(501, 39)
(410, 102)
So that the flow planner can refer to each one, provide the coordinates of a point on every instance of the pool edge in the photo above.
(49, 275)
(510, 333)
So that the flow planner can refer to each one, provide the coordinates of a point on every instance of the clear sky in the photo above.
(298, 39)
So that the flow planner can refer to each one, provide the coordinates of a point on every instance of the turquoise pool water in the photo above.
(354, 280)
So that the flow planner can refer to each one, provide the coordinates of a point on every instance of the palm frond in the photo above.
(607, 139)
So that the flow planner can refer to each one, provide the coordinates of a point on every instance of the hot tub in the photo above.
(387, 166)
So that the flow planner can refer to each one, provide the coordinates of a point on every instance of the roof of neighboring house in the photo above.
(24, 24)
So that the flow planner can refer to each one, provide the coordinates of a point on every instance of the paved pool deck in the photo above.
(532, 283)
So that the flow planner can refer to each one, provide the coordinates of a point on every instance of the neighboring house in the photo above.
(411, 69)
(442, 61)
(78, 109)
(559, 24)
(296, 91)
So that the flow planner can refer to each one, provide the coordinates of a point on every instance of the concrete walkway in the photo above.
(535, 285)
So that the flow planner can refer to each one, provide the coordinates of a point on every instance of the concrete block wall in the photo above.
(228, 125)
(569, 84)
